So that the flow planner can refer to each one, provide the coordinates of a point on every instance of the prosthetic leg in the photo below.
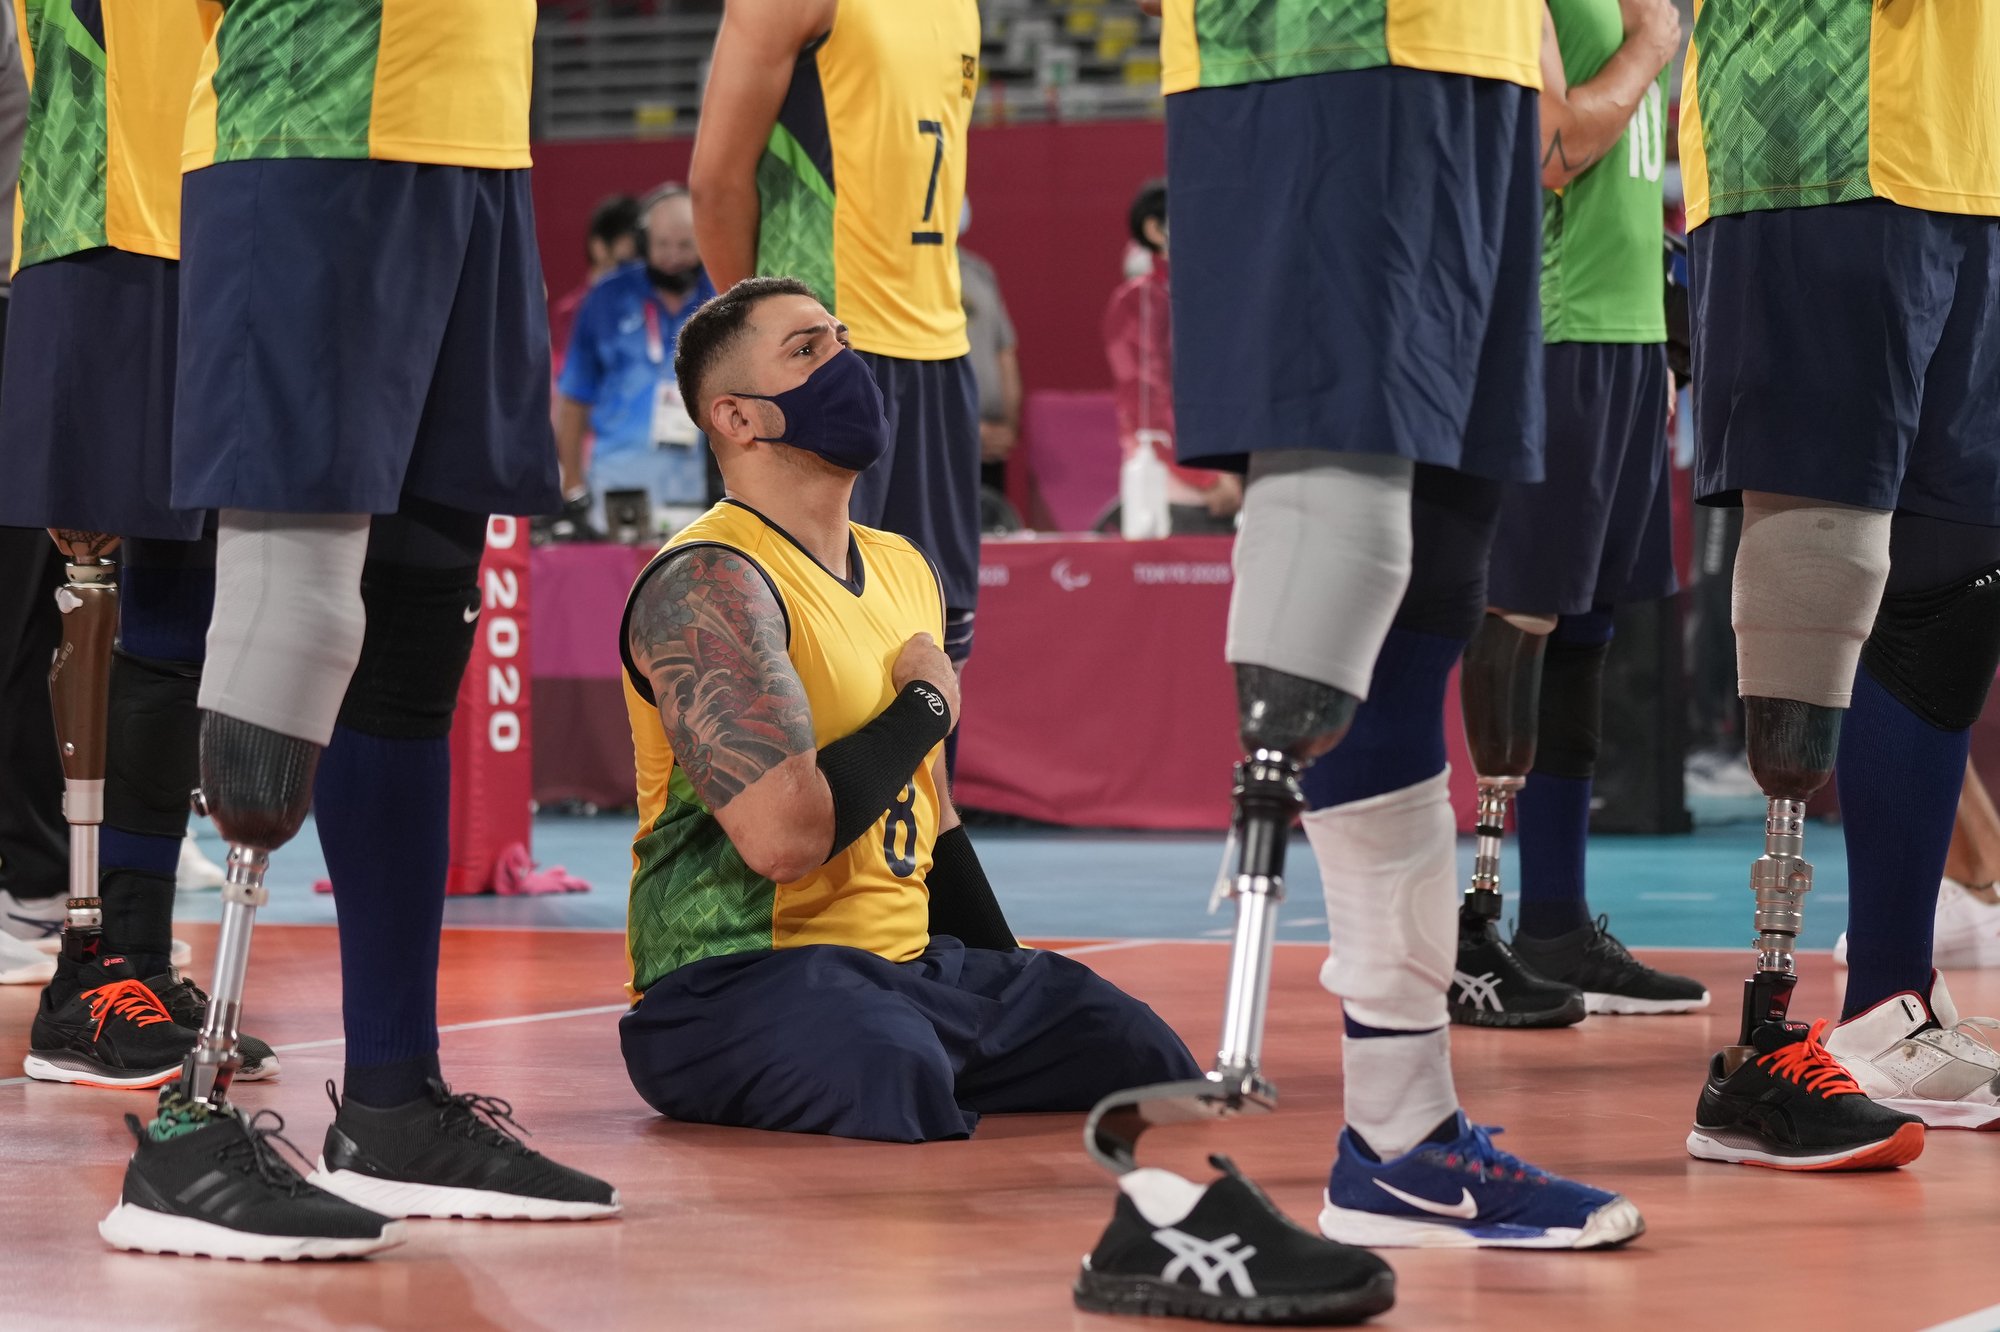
(1500, 683)
(79, 692)
(1287, 721)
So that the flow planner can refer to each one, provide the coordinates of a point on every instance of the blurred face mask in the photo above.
(836, 413)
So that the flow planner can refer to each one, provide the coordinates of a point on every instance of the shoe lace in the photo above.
(129, 999)
(1808, 1064)
(1476, 1152)
(484, 1119)
(1613, 953)
(254, 1152)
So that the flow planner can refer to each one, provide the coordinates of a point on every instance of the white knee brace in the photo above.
(1809, 579)
(288, 619)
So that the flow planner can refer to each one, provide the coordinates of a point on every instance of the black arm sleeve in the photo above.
(962, 901)
(865, 771)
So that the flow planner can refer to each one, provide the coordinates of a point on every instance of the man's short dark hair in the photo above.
(1150, 203)
(712, 330)
(613, 218)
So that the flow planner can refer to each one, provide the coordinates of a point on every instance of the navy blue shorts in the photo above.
(926, 487)
(837, 1040)
(1850, 353)
(1357, 262)
(1599, 530)
(87, 407)
(356, 331)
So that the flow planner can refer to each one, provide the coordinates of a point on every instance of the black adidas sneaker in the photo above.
(1792, 1106)
(99, 1025)
(1612, 980)
(1491, 986)
(211, 1184)
(189, 1006)
(451, 1155)
(1223, 1253)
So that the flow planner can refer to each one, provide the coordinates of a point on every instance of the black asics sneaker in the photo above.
(1793, 1107)
(185, 1000)
(1492, 987)
(101, 1026)
(212, 1184)
(1612, 980)
(451, 1155)
(1224, 1253)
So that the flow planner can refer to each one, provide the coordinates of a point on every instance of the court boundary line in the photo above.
(1979, 1320)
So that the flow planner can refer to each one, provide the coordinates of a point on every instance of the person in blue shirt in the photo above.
(617, 379)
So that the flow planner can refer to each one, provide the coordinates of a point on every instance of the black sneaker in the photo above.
(101, 1026)
(1492, 987)
(1223, 1253)
(572, 522)
(1793, 1107)
(450, 1155)
(1612, 980)
(211, 1184)
(189, 1005)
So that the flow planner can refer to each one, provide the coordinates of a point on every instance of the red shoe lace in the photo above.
(129, 999)
(1808, 1064)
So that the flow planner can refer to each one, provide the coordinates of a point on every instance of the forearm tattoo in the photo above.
(83, 547)
(710, 635)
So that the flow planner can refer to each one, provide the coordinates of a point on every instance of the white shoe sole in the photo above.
(50, 1068)
(1945, 1114)
(393, 1197)
(1625, 1005)
(141, 1231)
(1614, 1223)
(1899, 1148)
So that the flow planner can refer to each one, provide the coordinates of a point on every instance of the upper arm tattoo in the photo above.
(710, 635)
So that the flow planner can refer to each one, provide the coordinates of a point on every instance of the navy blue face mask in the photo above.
(836, 413)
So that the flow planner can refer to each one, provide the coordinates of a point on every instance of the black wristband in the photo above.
(962, 901)
(865, 771)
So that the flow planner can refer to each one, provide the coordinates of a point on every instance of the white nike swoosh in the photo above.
(471, 614)
(1465, 1208)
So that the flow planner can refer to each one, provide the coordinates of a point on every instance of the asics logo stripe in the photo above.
(1465, 1209)
(1209, 1260)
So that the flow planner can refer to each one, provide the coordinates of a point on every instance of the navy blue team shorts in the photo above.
(1849, 353)
(827, 1039)
(87, 397)
(1357, 262)
(355, 331)
(926, 487)
(1598, 531)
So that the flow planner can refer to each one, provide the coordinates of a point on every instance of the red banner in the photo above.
(492, 766)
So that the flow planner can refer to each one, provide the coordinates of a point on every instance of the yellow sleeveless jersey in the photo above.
(1221, 43)
(108, 87)
(443, 82)
(861, 181)
(1791, 103)
(692, 895)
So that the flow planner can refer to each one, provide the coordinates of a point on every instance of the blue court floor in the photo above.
(1660, 892)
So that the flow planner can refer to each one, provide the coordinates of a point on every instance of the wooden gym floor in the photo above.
(726, 1229)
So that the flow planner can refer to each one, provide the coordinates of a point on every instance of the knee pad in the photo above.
(288, 620)
(1809, 578)
(1389, 868)
(1453, 517)
(1571, 724)
(151, 752)
(421, 623)
(1322, 561)
(1936, 651)
(1500, 683)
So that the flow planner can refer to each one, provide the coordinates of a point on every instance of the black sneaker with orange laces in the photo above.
(1791, 1106)
(99, 1025)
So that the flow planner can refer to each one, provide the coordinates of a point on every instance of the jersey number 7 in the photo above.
(933, 128)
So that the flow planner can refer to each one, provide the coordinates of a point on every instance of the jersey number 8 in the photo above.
(901, 828)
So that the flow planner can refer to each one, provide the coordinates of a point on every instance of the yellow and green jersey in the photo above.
(692, 895)
(861, 180)
(108, 86)
(1217, 43)
(1791, 103)
(1602, 275)
(436, 81)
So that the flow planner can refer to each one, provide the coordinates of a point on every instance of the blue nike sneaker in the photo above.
(1468, 1194)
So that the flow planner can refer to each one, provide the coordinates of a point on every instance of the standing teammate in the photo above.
(1843, 185)
(1595, 535)
(831, 148)
(85, 424)
(1378, 389)
(363, 378)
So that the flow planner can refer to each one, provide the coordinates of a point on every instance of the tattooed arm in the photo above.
(1580, 124)
(710, 636)
(83, 547)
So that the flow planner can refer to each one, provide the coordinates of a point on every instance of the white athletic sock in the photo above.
(1398, 1088)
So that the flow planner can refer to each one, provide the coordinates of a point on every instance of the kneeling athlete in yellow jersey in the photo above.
(797, 845)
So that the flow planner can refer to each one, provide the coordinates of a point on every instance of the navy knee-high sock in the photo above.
(1552, 827)
(1899, 780)
(383, 808)
(1397, 738)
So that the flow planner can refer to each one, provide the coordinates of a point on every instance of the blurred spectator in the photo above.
(1139, 344)
(995, 367)
(617, 379)
(610, 244)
